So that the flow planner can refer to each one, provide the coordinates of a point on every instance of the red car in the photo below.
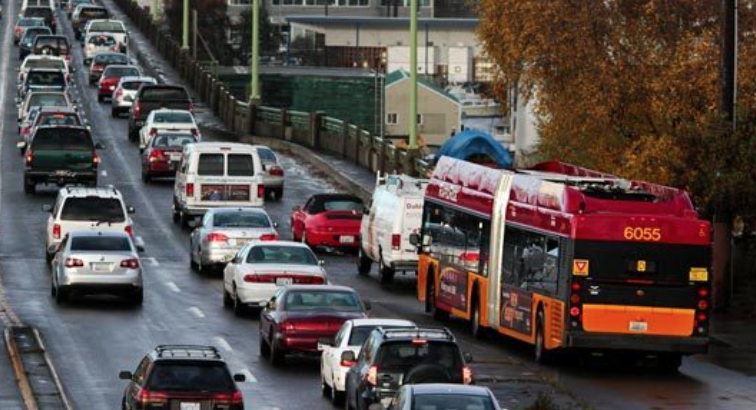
(110, 77)
(299, 316)
(163, 154)
(328, 220)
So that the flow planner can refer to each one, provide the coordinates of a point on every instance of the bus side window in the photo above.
(510, 256)
(551, 265)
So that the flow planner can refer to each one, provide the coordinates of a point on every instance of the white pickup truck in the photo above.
(114, 28)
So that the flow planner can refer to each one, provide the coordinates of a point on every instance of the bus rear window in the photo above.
(210, 165)
(240, 165)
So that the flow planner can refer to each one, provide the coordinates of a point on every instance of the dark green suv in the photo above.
(61, 155)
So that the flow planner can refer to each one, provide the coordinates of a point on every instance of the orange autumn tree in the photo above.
(629, 86)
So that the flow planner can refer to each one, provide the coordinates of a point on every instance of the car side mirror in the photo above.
(47, 208)
(468, 357)
(21, 144)
(130, 209)
(324, 342)
(414, 239)
(348, 356)
(125, 375)
(368, 305)
(240, 378)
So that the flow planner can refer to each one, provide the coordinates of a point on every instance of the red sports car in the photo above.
(299, 316)
(328, 220)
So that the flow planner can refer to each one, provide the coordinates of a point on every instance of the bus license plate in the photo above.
(284, 281)
(638, 326)
(347, 239)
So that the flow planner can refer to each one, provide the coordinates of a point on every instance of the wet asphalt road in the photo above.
(92, 339)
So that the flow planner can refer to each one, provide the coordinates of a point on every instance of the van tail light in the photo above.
(269, 237)
(25, 131)
(147, 397)
(372, 375)
(396, 242)
(217, 237)
(29, 157)
(467, 377)
(56, 231)
(157, 155)
(137, 108)
(130, 264)
(190, 189)
(129, 230)
(261, 191)
(276, 171)
(74, 263)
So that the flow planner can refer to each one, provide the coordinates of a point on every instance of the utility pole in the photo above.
(413, 76)
(155, 10)
(185, 34)
(254, 84)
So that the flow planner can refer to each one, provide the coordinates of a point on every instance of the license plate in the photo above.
(284, 281)
(175, 157)
(62, 173)
(190, 406)
(638, 326)
(347, 239)
(101, 266)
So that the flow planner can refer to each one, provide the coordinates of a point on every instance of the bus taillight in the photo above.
(702, 309)
(575, 307)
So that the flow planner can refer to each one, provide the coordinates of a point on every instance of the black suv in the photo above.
(391, 358)
(182, 376)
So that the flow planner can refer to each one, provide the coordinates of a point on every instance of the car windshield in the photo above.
(111, 59)
(46, 78)
(93, 209)
(191, 376)
(303, 300)
(48, 100)
(100, 243)
(281, 255)
(31, 22)
(62, 139)
(451, 402)
(106, 27)
(240, 220)
(59, 119)
(360, 333)
(173, 117)
(45, 63)
(121, 72)
(102, 41)
(172, 140)
(405, 354)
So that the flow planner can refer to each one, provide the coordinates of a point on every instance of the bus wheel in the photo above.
(541, 354)
(475, 330)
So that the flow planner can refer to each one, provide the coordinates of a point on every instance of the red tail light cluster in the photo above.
(157, 155)
(148, 398)
(56, 231)
(372, 375)
(467, 376)
(235, 399)
(217, 237)
(299, 280)
(702, 310)
(129, 230)
(95, 159)
(575, 304)
(261, 191)
(119, 93)
(74, 263)
(130, 264)
(269, 237)
(153, 132)
(347, 363)
(29, 157)
(276, 171)
(396, 242)
(189, 189)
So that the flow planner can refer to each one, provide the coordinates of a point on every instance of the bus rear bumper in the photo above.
(668, 344)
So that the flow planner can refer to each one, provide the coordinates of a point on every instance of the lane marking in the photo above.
(152, 261)
(250, 377)
(196, 312)
(172, 286)
(223, 344)
(104, 173)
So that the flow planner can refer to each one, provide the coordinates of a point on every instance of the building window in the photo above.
(336, 3)
(392, 118)
(419, 119)
(405, 3)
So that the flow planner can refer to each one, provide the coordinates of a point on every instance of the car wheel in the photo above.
(138, 296)
(22, 151)
(100, 98)
(227, 300)
(336, 396)
(175, 212)
(146, 178)
(264, 347)
(61, 295)
(192, 263)
(363, 262)
(277, 357)
(541, 354)
(183, 220)
(238, 305)
(325, 389)
(669, 364)
(387, 273)
(48, 257)
(30, 188)
(279, 193)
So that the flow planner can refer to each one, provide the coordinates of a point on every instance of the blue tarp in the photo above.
(475, 142)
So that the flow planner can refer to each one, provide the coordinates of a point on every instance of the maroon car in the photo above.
(298, 316)
(163, 154)
(110, 77)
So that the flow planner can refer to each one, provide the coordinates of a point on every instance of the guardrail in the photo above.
(313, 130)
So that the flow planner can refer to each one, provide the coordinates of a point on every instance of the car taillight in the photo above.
(25, 130)
(137, 108)
(147, 397)
(74, 263)
(56, 231)
(153, 132)
(96, 67)
(95, 158)
(309, 280)
(195, 132)
(347, 363)
(130, 264)
(217, 237)
(261, 191)
(251, 278)
(702, 309)
(224, 398)
(467, 377)
(372, 375)
(396, 242)
(190, 189)
(157, 155)
(276, 171)
(29, 157)
(287, 327)
(129, 230)
(269, 237)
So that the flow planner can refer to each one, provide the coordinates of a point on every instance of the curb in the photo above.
(18, 368)
(315, 160)
(53, 371)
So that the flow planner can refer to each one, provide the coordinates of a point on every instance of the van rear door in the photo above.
(229, 179)
(409, 223)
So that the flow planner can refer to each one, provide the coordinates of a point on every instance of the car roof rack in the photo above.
(427, 333)
(193, 351)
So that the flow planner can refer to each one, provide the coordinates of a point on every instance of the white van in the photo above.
(395, 212)
(214, 175)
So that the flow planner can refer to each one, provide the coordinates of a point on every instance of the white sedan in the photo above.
(351, 337)
(167, 119)
(259, 269)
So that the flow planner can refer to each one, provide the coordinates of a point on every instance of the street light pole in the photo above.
(185, 34)
(413, 76)
(254, 85)
(155, 11)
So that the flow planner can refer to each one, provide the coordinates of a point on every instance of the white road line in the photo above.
(152, 261)
(250, 377)
(172, 286)
(104, 173)
(196, 312)
(223, 344)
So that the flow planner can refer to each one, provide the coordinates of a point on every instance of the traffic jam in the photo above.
(559, 258)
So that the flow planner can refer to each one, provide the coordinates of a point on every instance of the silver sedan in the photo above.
(223, 231)
(273, 173)
(97, 262)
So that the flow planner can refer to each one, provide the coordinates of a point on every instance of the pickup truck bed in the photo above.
(152, 97)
